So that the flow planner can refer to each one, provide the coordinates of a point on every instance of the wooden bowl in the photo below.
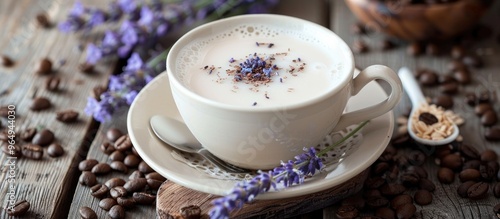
(419, 22)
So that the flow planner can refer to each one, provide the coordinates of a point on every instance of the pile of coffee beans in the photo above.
(118, 194)
(33, 143)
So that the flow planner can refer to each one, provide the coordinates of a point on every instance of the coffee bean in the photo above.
(113, 134)
(469, 151)
(20, 208)
(347, 211)
(464, 188)
(419, 171)
(452, 161)
(118, 191)
(6, 61)
(135, 185)
(136, 174)
(469, 175)
(496, 208)
(357, 201)
(132, 160)
(401, 200)
(482, 108)
(126, 202)
(379, 168)
(87, 165)
(43, 137)
(449, 88)
(432, 49)
(87, 178)
(114, 182)
(99, 190)
(119, 166)
(359, 46)
(387, 45)
(116, 212)
(470, 99)
(496, 190)
(11, 150)
(358, 29)
(488, 170)
(144, 167)
(191, 212)
(409, 179)
(107, 148)
(101, 168)
(427, 185)
(472, 61)
(87, 213)
(406, 211)
(32, 151)
(484, 97)
(155, 176)
(123, 143)
(385, 212)
(143, 198)
(44, 66)
(456, 65)
(489, 118)
(489, 155)
(392, 189)
(423, 197)
(462, 76)
(428, 78)
(446, 175)
(154, 184)
(414, 49)
(478, 190)
(97, 91)
(86, 67)
(370, 193)
(55, 150)
(374, 182)
(107, 203)
(28, 134)
(492, 134)
(376, 202)
(43, 20)
(67, 116)
(444, 101)
(117, 156)
(40, 103)
(472, 164)
(417, 157)
(457, 52)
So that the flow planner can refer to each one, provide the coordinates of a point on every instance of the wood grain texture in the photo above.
(47, 184)
(446, 203)
(172, 197)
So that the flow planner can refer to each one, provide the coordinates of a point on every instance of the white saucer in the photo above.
(156, 98)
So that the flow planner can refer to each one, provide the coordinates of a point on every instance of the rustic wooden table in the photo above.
(50, 184)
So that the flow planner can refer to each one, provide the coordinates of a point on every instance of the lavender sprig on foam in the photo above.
(288, 173)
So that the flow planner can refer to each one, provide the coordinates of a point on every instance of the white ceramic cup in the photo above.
(260, 138)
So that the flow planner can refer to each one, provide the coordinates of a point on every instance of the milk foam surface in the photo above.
(322, 66)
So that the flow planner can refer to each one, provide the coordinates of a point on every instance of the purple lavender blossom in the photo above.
(288, 173)
(94, 54)
(144, 24)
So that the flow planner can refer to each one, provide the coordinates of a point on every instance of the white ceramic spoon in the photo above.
(412, 88)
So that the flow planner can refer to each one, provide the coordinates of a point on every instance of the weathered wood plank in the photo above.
(47, 184)
(446, 203)
(172, 197)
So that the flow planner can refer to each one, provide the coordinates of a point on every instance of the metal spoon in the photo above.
(417, 99)
(176, 134)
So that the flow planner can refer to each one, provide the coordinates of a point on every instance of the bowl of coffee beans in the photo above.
(419, 20)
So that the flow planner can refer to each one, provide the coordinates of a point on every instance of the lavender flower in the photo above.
(144, 23)
(288, 173)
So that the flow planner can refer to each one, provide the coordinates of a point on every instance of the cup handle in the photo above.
(364, 77)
